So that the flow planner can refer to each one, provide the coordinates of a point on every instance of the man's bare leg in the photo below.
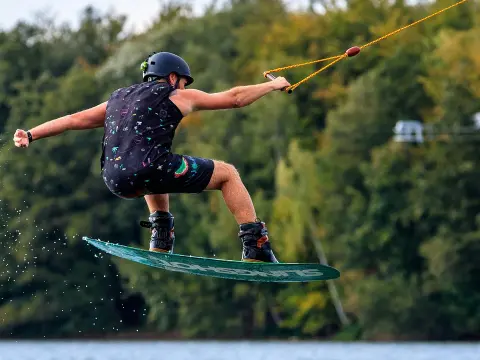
(253, 232)
(227, 179)
(157, 202)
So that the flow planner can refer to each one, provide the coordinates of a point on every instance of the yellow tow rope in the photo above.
(349, 53)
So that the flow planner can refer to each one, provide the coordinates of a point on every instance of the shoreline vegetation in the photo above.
(400, 220)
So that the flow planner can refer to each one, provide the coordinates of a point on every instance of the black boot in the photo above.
(162, 226)
(256, 246)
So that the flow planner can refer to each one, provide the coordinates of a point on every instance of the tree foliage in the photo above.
(400, 221)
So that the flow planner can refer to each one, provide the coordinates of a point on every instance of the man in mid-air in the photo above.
(137, 161)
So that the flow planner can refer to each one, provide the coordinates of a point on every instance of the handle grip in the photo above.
(273, 77)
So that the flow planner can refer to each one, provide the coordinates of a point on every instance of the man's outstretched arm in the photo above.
(236, 97)
(82, 120)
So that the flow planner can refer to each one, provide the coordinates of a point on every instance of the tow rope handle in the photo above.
(273, 77)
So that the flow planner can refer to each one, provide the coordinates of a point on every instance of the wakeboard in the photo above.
(227, 269)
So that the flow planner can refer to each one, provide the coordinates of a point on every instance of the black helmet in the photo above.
(161, 64)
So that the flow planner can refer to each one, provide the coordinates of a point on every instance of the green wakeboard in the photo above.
(227, 269)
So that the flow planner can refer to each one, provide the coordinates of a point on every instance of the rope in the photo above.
(348, 53)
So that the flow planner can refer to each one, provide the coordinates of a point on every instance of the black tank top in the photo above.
(140, 124)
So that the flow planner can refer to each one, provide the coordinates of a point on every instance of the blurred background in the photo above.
(373, 166)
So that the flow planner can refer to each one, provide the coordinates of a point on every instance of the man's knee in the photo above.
(229, 171)
(232, 171)
(222, 173)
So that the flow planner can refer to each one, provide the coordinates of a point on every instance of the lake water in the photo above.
(241, 350)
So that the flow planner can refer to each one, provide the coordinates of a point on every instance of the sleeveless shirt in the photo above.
(140, 124)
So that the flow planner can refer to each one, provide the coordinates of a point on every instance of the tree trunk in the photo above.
(331, 285)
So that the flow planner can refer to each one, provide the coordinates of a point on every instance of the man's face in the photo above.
(181, 84)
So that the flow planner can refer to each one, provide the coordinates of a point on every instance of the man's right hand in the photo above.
(279, 83)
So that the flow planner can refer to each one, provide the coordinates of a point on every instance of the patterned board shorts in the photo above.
(172, 174)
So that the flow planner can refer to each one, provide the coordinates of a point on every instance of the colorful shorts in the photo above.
(170, 174)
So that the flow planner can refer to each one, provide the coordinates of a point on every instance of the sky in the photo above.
(69, 10)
